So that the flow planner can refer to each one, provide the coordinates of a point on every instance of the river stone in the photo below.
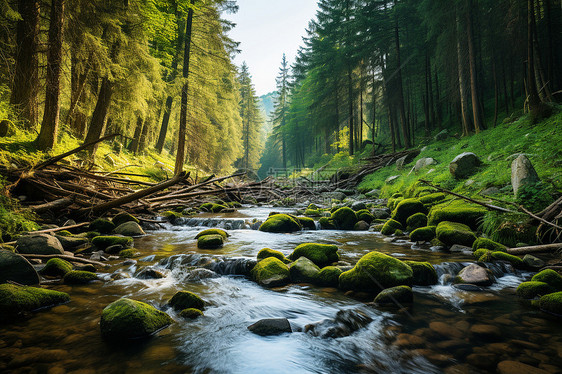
(16, 268)
(381, 213)
(522, 173)
(358, 205)
(424, 274)
(321, 254)
(345, 323)
(39, 244)
(455, 233)
(280, 223)
(210, 242)
(486, 332)
(17, 299)
(149, 273)
(129, 228)
(271, 272)
(69, 243)
(532, 262)
(361, 226)
(475, 274)
(446, 329)
(552, 303)
(56, 267)
(395, 296)
(271, 326)
(201, 273)
(333, 195)
(515, 367)
(185, 300)
(130, 319)
(464, 165)
(424, 162)
(121, 218)
(303, 270)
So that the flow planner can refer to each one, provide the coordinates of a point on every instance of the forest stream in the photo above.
(445, 329)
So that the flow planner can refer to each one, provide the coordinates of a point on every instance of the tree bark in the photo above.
(532, 91)
(99, 117)
(134, 146)
(476, 113)
(462, 84)
(401, 108)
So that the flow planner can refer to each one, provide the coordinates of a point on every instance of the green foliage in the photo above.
(535, 197)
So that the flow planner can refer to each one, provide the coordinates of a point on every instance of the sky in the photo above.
(266, 29)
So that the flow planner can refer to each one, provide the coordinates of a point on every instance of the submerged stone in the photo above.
(395, 296)
(185, 300)
(271, 326)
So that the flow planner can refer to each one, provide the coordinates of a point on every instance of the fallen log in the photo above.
(59, 228)
(535, 249)
(52, 205)
(182, 192)
(64, 257)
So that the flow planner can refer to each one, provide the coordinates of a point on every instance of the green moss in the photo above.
(327, 223)
(191, 313)
(303, 270)
(395, 296)
(79, 277)
(89, 234)
(130, 319)
(312, 206)
(328, 276)
(423, 234)
(455, 233)
(416, 221)
(102, 225)
(394, 201)
(280, 223)
(128, 253)
(210, 242)
(186, 300)
(513, 260)
(217, 208)
(220, 232)
(267, 252)
(18, 299)
(307, 223)
(344, 218)
(486, 257)
(488, 244)
(390, 227)
(171, 216)
(456, 212)
(206, 207)
(321, 254)
(376, 271)
(312, 213)
(365, 215)
(552, 303)
(378, 227)
(424, 274)
(64, 233)
(530, 290)
(271, 272)
(432, 198)
(56, 267)
(407, 208)
(124, 217)
(102, 242)
(480, 252)
(550, 277)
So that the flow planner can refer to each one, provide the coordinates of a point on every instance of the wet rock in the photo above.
(307, 223)
(416, 221)
(17, 299)
(329, 276)
(191, 313)
(103, 242)
(344, 218)
(70, 243)
(406, 208)
(361, 226)
(345, 323)
(552, 303)
(457, 248)
(514, 367)
(185, 300)
(56, 267)
(39, 244)
(200, 274)
(488, 244)
(358, 205)
(130, 319)
(129, 228)
(280, 223)
(464, 165)
(396, 296)
(409, 341)
(79, 277)
(150, 273)
(321, 254)
(16, 268)
(487, 361)
(532, 262)
(116, 248)
(271, 272)
(468, 287)
(102, 225)
(121, 218)
(423, 234)
(210, 242)
(213, 231)
(271, 326)
(550, 277)
(303, 270)
(424, 274)
(268, 252)
(455, 233)
(390, 227)
(445, 329)
(381, 213)
(476, 275)
(486, 332)
(522, 173)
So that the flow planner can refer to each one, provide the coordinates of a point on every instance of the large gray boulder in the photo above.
(464, 165)
(130, 228)
(522, 173)
(424, 162)
(16, 268)
(70, 243)
(39, 244)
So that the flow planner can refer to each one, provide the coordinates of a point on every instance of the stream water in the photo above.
(446, 330)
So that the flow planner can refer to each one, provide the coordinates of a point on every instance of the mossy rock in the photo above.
(210, 242)
(365, 215)
(312, 213)
(124, 217)
(303, 270)
(328, 276)
(307, 223)
(459, 212)
(271, 272)
(327, 223)
(394, 201)
(130, 319)
(488, 244)
(129, 228)
(56, 267)
(267, 252)
(390, 227)
(128, 253)
(220, 232)
(480, 252)
(531, 290)
(191, 313)
(396, 296)
(374, 272)
(186, 300)
(64, 233)
(378, 227)
(18, 299)
(321, 254)
(234, 204)
(455, 233)
(312, 206)
(407, 208)
(550, 277)
(206, 207)
(486, 257)
(79, 277)
(424, 274)
(344, 218)
(102, 242)
(280, 223)
(102, 225)
(171, 216)
(432, 198)
(416, 221)
(423, 234)
(217, 208)
(552, 303)
(513, 260)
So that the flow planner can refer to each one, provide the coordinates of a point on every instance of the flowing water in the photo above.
(446, 330)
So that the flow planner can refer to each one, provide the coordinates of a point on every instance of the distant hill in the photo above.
(267, 103)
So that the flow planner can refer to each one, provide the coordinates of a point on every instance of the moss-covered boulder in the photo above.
(391, 226)
(312, 213)
(455, 233)
(344, 218)
(513, 260)
(128, 253)
(56, 267)
(130, 319)
(488, 244)
(307, 223)
(16, 268)
(365, 215)
(171, 216)
(550, 277)
(220, 232)
(407, 208)
(531, 290)
(102, 225)
(321, 254)
(102, 242)
(456, 212)
(217, 208)
(79, 277)
(481, 252)
(552, 303)
(129, 228)
(18, 299)
(486, 257)
(328, 276)
(533, 263)
(432, 198)
(191, 313)
(39, 244)
(268, 252)
(184, 300)
(416, 221)
(396, 296)
(206, 207)
(280, 223)
(424, 274)
(394, 200)
(71, 243)
(303, 270)
(423, 234)
(327, 223)
(374, 272)
(124, 217)
(271, 272)
(210, 242)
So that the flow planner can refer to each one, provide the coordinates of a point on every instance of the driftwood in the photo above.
(64, 257)
(59, 228)
(535, 249)
(52, 205)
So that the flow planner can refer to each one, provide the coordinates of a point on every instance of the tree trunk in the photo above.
(401, 108)
(165, 122)
(134, 145)
(532, 91)
(97, 123)
(462, 88)
(476, 113)
(26, 77)
(437, 102)
(50, 126)
(144, 135)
